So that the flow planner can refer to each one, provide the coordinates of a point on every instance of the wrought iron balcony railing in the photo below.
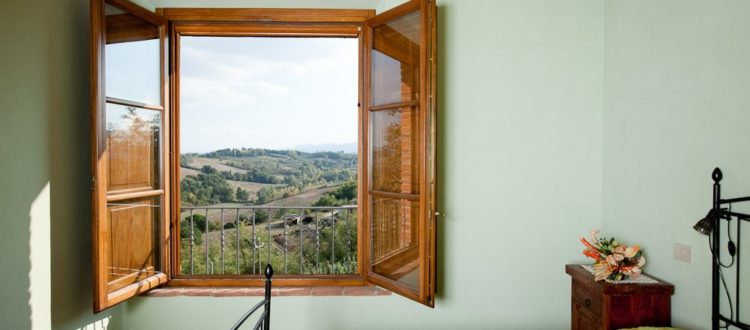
(216, 240)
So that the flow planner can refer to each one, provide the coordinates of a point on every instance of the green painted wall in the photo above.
(24, 168)
(676, 84)
(45, 241)
(556, 117)
(521, 132)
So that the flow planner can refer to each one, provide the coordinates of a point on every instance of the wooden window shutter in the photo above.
(400, 86)
(129, 141)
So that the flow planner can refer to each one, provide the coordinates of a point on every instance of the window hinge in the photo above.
(93, 182)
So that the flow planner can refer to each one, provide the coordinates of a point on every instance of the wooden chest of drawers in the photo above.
(602, 305)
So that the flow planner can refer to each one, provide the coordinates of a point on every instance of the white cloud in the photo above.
(266, 93)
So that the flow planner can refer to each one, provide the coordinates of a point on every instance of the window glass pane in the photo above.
(393, 151)
(133, 249)
(132, 58)
(395, 61)
(395, 246)
(134, 143)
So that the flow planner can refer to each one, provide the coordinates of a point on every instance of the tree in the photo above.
(199, 222)
(265, 195)
(346, 192)
(242, 194)
(341, 196)
(206, 189)
(261, 216)
(208, 169)
(327, 200)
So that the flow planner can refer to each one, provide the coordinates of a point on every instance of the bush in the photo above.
(261, 216)
(199, 223)
(185, 231)
(343, 195)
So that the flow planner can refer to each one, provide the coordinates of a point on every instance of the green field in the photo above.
(251, 187)
(279, 177)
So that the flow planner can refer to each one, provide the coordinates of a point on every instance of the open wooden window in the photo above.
(134, 201)
(129, 163)
(400, 142)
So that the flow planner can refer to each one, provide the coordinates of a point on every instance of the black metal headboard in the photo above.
(722, 212)
(264, 322)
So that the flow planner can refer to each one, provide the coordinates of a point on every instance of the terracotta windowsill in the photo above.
(258, 292)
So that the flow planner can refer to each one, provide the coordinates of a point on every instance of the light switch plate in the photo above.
(683, 253)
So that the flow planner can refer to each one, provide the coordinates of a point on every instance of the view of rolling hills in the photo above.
(263, 176)
(244, 207)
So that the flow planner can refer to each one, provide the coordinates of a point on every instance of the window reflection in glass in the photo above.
(394, 251)
(132, 58)
(133, 243)
(394, 154)
(133, 141)
(395, 61)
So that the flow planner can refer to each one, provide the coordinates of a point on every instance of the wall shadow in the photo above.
(70, 173)
(23, 166)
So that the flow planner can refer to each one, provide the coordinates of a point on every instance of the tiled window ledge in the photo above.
(253, 292)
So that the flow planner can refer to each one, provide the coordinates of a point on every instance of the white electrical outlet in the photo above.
(682, 253)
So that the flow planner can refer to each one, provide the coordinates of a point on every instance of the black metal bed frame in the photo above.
(722, 207)
(264, 322)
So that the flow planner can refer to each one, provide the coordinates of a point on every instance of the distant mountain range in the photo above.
(333, 147)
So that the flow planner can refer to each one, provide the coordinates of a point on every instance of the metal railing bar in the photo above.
(332, 215)
(206, 225)
(223, 264)
(300, 247)
(348, 242)
(286, 240)
(248, 313)
(192, 242)
(260, 323)
(238, 230)
(317, 242)
(333, 243)
(255, 243)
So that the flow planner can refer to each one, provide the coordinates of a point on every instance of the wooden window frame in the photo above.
(241, 22)
(176, 22)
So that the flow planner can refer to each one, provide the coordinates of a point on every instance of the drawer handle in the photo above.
(587, 302)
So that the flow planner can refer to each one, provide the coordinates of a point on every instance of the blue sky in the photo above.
(273, 93)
